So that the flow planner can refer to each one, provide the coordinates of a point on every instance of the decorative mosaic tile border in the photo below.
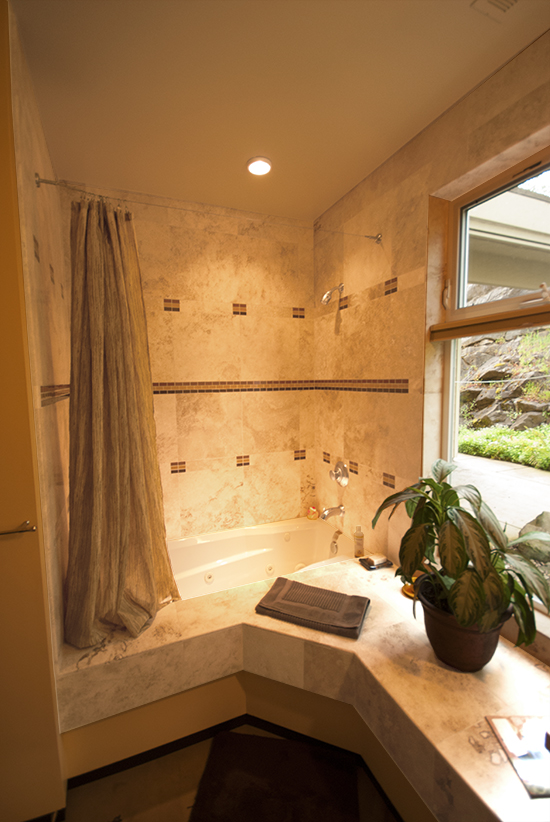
(53, 393)
(171, 305)
(326, 456)
(298, 313)
(239, 308)
(300, 455)
(343, 303)
(243, 386)
(353, 467)
(244, 459)
(388, 480)
(178, 467)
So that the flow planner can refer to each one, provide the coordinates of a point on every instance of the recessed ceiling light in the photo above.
(259, 165)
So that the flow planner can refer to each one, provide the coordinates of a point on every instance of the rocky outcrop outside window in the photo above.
(505, 378)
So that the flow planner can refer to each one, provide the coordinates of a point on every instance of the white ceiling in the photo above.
(172, 97)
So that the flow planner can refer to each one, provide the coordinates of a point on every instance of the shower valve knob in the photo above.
(340, 474)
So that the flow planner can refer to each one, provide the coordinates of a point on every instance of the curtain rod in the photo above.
(41, 181)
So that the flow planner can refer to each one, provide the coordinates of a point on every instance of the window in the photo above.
(505, 248)
(498, 319)
(499, 255)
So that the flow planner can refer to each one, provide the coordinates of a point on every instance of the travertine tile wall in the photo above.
(238, 278)
(47, 297)
(382, 334)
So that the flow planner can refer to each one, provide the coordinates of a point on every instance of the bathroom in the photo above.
(210, 261)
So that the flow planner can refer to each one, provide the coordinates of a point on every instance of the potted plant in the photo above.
(473, 576)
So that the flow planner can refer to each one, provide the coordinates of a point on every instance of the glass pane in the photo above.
(506, 243)
(504, 422)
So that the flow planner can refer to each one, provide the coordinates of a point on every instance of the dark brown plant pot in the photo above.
(467, 649)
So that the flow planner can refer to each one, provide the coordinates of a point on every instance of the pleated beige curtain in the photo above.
(118, 573)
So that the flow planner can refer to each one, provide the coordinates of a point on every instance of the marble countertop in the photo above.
(429, 717)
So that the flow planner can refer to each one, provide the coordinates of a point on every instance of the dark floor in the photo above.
(164, 788)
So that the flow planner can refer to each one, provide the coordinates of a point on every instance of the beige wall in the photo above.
(47, 298)
(384, 336)
(31, 781)
(208, 259)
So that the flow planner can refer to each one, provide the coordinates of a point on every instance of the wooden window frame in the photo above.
(500, 315)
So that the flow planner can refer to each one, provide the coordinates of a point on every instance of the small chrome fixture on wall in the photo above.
(326, 298)
(340, 474)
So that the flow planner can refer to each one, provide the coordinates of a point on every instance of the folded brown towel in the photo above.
(313, 607)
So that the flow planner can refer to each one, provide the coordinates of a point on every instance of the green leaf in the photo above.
(420, 514)
(470, 493)
(495, 594)
(490, 523)
(531, 551)
(533, 579)
(412, 504)
(475, 540)
(489, 620)
(452, 555)
(442, 469)
(449, 497)
(466, 597)
(411, 552)
(497, 600)
(525, 619)
(413, 492)
(429, 550)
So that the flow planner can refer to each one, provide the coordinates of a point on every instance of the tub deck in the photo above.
(430, 718)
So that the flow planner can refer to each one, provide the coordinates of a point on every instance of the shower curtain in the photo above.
(119, 572)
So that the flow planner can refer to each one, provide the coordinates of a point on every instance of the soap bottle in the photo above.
(359, 541)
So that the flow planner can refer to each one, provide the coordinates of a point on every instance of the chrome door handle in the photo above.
(20, 530)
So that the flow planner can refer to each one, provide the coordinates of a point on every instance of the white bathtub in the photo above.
(216, 562)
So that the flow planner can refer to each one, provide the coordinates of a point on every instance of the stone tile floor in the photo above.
(516, 493)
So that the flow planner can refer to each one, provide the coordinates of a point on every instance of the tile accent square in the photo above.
(353, 467)
(343, 303)
(388, 480)
(177, 467)
(239, 308)
(244, 459)
(390, 286)
(298, 313)
(326, 456)
(171, 305)
(300, 455)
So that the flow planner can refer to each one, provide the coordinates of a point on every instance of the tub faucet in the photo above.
(339, 511)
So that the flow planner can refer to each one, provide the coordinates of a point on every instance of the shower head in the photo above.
(327, 297)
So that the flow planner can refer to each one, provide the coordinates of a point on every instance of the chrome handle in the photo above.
(340, 474)
(20, 530)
